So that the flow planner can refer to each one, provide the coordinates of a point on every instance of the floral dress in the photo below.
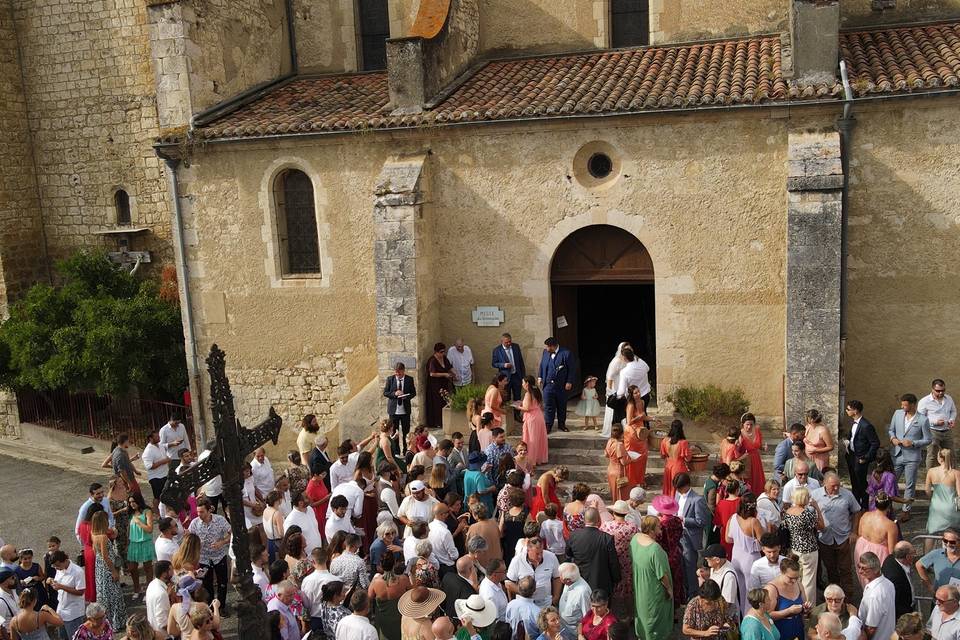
(298, 476)
(85, 633)
(573, 521)
(622, 532)
(697, 617)
(671, 530)
(330, 617)
(109, 595)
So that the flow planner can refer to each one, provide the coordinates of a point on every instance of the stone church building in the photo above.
(756, 193)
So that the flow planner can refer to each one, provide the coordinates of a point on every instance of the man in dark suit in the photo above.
(860, 451)
(594, 553)
(399, 391)
(508, 360)
(897, 568)
(459, 585)
(555, 379)
(693, 511)
(319, 460)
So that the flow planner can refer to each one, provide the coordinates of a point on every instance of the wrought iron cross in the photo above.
(233, 445)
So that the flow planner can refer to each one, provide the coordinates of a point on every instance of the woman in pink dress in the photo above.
(534, 426)
(752, 443)
(818, 439)
(493, 399)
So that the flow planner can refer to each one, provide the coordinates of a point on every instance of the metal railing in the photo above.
(99, 416)
(924, 602)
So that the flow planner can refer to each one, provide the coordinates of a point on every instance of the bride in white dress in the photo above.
(613, 379)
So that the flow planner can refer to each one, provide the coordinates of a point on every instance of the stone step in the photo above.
(572, 457)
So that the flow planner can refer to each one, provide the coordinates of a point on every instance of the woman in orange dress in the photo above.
(730, 447)
(617, 457)
(635, 438)
(676, 451)
(818, 439)
(493, 399)
(725, 510)
(534, 425)
(752, 442)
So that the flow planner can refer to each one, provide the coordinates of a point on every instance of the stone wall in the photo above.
(326, 35)
(540, 26)
(92, 116)
(686, 20)
(856, 13)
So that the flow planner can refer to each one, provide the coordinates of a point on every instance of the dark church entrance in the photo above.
(602, 293)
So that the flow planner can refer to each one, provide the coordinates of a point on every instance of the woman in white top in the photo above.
(273, 523)
(613, 379)
(768, 506)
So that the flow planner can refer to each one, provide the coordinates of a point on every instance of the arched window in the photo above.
(630, 21)
(121, 200)
(297, 223)
(374, 31)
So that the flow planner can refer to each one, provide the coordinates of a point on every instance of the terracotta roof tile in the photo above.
(726, 73)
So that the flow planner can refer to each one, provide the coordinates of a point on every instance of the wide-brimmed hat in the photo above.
(666, 505)
(420, 602)
(476, 459)
(620, 507)
(482, 612)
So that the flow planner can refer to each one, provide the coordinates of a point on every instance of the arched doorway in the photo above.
(602, 287)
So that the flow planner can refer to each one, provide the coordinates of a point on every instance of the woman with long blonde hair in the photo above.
(187, 557)
(438, 481)
(943, 486)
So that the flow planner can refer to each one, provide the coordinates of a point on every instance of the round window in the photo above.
(600, 165)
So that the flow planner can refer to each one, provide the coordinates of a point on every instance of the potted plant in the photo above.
(455, 413)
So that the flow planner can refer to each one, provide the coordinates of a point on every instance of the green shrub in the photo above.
(699, 403)
(462, 395)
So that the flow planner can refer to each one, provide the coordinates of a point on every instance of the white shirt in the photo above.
(307, 521)
(876, 607)
(788, 489)
(355, 627)
(853, 629)
(400, 410)
(389, 498)
(170, 434)
(310, 590)
(336, 523)
(544, 574)
(165, 548)
(768, 511)
(413, 509)
(944, 629)
(8, 607)
(494, 592)
(70, 606)
(410, 551)
(726, 577)
(354, 495)
(636, 372)
(443, 546)
(262, 476)
(250, 495)
(152, 453)
(936, 410)
(763, 572)
(574, 603)
(853, 433)
(340, 473)
(260, 579)
(158, 604)
(214, 486)
(552, 533)
(461, 364)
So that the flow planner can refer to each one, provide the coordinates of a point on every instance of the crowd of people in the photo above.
(427, 536)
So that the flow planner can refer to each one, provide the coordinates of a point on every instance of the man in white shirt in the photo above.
(941, 413)
(801, 478)
(877, 605)
(543, 566)
(343, 467)
(767, 567)
(155, 463)
(285, 593)
(173, 440)
(575, 599)
(419, 532)
(357, 626)
(338, 517)
(416, 506)
(260, 558)
(353, 492)
(70, 584)
(304, 517)
(723, 573)
(829, 627)
(166, 544)
(635, 372)
(313, 583)
(524, 609)
(262, 470)
(944, 623)
(157, 599)
(491, 587)
(441, 538)
(251, 502)
(214, 487)
(461, 357)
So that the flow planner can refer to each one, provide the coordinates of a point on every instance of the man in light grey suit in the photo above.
(909, 434)
(695, 515)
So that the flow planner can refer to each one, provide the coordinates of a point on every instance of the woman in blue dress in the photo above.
(785, 600)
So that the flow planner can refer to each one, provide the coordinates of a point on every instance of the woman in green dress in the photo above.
(140, 549)
(388, 447)
(385, 591)
(652, 586)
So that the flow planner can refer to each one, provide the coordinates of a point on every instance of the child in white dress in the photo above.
(589, 406)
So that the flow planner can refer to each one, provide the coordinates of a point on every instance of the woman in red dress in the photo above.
(752, 442)
(725, 510)
(635, 438)
(319, 498)
(546, 490)
(671, 530)
(676, 451)
(89, 555)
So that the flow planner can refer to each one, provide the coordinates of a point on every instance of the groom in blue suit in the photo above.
(555, 378)
(909, 435)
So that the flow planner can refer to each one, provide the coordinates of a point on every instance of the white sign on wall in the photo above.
(488, 316)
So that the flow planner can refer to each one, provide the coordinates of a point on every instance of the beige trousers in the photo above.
(809, 562)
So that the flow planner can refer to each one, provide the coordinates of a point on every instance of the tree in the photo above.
(102, 329)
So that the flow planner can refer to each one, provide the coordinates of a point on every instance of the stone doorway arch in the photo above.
(602, 292)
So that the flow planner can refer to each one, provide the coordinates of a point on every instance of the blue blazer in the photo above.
(918, 430)
(559, 370)
(500, 359)
(696, 517)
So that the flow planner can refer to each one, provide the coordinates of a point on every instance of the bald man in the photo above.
(459, 585)
(897, 568)
(829, 627)
(594, 553)
(443, 628)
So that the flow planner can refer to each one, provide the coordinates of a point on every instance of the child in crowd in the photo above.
(589, 406)
(30, 574)
(551, 529)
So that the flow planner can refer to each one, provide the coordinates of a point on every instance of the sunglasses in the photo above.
(948, 541)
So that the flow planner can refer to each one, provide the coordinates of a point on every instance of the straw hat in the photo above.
(620, 507)
(480, 610)
(420, 602)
